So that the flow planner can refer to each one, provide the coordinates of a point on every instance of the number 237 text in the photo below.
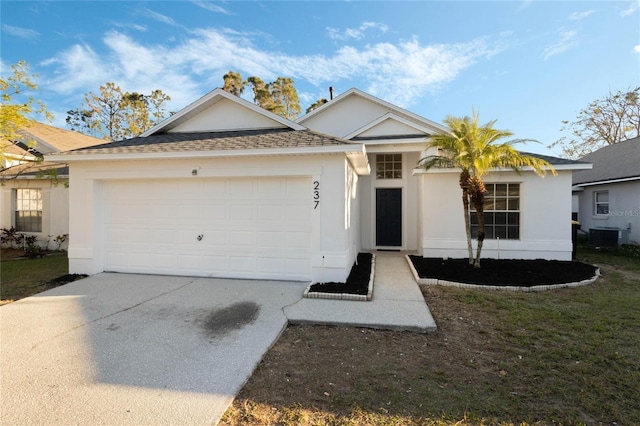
(316, 194)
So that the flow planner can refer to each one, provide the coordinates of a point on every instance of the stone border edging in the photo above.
(345, 296)
(435, 281)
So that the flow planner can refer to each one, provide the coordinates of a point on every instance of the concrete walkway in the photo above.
(137, 349)
(398, 303)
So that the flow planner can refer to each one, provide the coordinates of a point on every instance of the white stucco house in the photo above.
(606, 199)
(225, 188)
(34, 198)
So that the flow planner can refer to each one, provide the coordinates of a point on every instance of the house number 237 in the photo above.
(316, 194)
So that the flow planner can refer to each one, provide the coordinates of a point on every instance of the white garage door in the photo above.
(236, 227)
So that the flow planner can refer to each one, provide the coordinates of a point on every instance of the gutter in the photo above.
(356, 154)
(603, 182)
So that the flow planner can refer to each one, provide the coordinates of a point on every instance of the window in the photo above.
(501, 212)
(389, 166)
(28, 210)
(601, 203)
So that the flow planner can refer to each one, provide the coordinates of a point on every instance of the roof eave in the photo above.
(604, 182)
(561, 167)
(353, 151)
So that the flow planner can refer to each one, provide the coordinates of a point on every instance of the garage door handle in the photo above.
(199, 237)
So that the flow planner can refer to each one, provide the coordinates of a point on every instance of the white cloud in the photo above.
(636, 48)
(567, 41)
(356, 33)
(20, 32)
(211, 7)
(398, 72)
(160, 17)
(132, 26)
(631, 9)
(577, 16)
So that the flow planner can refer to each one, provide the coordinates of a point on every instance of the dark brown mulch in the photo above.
(504, 272)
(357, 281)
(65, 279)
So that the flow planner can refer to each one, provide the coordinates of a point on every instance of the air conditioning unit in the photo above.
(608, 237)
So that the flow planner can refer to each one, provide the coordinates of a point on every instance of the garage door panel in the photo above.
(241, 212)
(251, 228)
(242, 189)
(298, 240)
(270, 239)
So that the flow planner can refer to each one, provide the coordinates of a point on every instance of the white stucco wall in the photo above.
(545, 217)
(409, 185)
(55, 207)
(331, 240)
(352, 211)
(346, 116)
(225, 115)
(624, 208)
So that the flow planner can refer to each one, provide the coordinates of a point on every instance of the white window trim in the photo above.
(595, 205)
(507, 211)
(15, 210)
(393, 170)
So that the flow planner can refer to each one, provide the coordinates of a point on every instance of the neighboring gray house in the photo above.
(607, 197)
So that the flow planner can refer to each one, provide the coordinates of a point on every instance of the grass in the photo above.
(25, 277)
(566, 357)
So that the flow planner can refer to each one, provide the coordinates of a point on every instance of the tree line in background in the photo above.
(17, 114)
(606, 121)
(279, 97)
(113, 114)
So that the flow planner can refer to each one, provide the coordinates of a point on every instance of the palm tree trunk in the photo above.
(467, 224)
(464, 184)
(477, 190)
(480, 215)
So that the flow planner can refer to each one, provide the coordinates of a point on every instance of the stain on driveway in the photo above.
(223, 321)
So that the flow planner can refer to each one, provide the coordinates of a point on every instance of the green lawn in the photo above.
(25, 277)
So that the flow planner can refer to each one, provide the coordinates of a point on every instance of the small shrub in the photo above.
(11, 238)
(33, 249)
(60, 240)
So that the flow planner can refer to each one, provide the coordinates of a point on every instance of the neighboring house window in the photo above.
(601, 203)
(28, 210)
(501, 212)
(389, 166)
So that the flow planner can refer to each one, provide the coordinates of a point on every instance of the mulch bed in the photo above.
(504, 272)
(66, 279)
(357, 281)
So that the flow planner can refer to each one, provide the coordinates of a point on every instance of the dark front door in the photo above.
(388, 217)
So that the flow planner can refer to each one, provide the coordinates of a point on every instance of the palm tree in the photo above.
(476, 150)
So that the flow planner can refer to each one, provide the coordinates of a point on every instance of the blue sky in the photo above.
(528, 64)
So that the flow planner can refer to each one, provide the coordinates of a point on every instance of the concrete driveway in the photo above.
(136, 349)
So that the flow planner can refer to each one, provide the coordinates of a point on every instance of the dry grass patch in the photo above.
(568, 356)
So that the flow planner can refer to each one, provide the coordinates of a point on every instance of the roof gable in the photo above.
(219, 110)
(612, 162)
(354, 110)
(391, 126)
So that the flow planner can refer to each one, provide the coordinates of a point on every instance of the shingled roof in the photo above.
(612, 162)
(555, 161)
(215, 141)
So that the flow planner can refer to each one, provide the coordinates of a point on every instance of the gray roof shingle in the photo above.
(214, 141)
(554, 161)
(617, 161)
